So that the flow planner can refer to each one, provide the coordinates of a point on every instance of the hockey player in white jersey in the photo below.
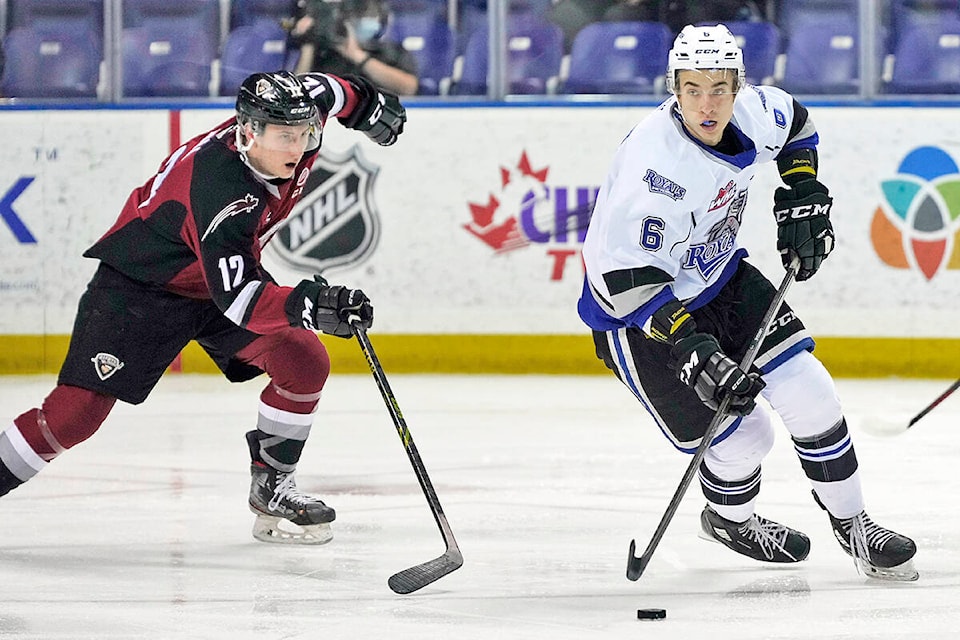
(673, 303)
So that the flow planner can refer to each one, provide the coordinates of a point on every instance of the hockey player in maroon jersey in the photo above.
(182, 262)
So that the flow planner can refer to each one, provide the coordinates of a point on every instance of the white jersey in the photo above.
(666, 219)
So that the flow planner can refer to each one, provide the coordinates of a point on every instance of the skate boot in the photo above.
(877, 552)
(279, 506)
(757, 538)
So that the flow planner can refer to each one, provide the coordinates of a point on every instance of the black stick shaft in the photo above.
(930, 407)
(636, 565)
(452, 559)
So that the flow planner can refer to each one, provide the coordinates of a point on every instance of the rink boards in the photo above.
(466, 234)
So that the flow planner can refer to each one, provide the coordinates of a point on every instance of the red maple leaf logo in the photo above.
(505, 234)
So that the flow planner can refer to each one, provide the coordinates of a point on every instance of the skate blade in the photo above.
(901, 573)
(279, 531)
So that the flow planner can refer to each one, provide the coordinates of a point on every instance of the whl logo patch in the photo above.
(336, 223)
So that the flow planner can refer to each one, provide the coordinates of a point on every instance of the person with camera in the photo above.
(346, 38)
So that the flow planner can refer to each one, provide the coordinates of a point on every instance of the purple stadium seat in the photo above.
(927, 59)
(822, 56)
(618, 58)
(431, 41)
(51, 62)
(168, 61)
(534, 53)
(261, 46)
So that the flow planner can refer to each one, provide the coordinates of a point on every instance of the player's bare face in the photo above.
(278, 148)
(706, 102)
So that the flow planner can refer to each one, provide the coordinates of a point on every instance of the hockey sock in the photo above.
(732, 499)
(830, 462)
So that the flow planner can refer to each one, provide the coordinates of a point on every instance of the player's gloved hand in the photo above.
(702, 366)
(803, 225)
(699, 363)
(317, 306)
(379, 114)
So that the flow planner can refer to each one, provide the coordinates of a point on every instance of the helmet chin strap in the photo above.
(243, 147)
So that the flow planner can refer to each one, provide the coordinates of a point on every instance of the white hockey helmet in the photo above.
(710, 47)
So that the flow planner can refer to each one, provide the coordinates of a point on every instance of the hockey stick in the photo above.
(930, 407)
(419, 576)
(635, 564)
(895, 425)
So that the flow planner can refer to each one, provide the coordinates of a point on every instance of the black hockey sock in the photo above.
(275, 451)
(8, 481)
(733, 492)
(828, 457)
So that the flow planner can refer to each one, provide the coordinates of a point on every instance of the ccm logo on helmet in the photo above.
(708, 51)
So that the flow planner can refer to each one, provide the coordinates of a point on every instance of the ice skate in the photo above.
(757, 538)
(284, 514)
(877, 552)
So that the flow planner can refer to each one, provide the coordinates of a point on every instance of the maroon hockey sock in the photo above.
(69, 416)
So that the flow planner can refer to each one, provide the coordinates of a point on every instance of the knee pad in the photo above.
(802, 393)
(739, 454)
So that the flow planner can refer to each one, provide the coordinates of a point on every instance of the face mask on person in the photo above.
(366, 28)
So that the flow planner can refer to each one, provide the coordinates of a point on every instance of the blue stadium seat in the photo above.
(905, 14)
(618, 58)
(77, 15)
(534, 53)
(791, 11)
(173, 13)
(167, 60)
(927, 59)
(760, 42)
(822, 56)
(430, 40)
(51, 61)
(247, 12)
(261, 46)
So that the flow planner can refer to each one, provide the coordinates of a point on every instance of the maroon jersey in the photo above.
(198, 227)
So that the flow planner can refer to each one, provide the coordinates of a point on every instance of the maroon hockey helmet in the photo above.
(275, 98)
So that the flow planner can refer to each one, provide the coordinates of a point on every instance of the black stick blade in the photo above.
(635, 565)
(409, 580)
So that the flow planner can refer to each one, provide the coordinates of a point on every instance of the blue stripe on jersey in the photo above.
(805, 344)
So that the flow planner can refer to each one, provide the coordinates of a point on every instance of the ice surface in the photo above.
(143, 531)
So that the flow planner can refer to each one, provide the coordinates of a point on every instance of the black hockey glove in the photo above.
(803, 225)
(317, 306)
(379, 114)
(700, 364)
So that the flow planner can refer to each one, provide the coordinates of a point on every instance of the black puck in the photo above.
(651, 614)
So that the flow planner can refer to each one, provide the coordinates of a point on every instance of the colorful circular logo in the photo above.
(917, 225)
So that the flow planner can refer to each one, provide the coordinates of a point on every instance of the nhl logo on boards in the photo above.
(106, 365)
(336, 222)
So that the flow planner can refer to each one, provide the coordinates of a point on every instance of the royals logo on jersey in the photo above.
(707, 257)
(336, 223)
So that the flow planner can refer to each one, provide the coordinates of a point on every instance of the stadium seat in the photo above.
(792, 11)
(534, 53)
(619, 58)
(261, 46)
(51, 62)
(760, 42)
(168, 61)
(244, 13)
(431, 41)
(822, 56)
(927, 59)
(174, 13)
(76, 15)
(905, 14)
